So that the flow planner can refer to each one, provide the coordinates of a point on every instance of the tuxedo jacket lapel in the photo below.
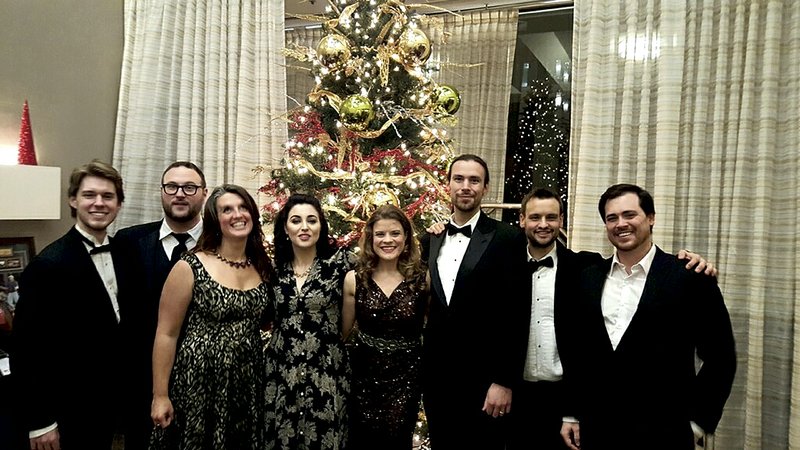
(594, 295)
(160, 264)
(477, 247)
(93, 283)
(481, 237)
(436, 242)
(657, 278)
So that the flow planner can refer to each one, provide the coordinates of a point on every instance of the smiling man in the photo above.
(155, 247)
(549, 274)
(638, 323)
(68, 323)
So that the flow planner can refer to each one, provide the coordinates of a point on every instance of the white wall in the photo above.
(63, 56)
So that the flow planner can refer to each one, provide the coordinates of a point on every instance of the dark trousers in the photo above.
(536, 415)
(12, 433)
(456, 422)
(138, 427)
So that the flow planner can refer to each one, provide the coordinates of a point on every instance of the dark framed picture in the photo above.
(15, 253)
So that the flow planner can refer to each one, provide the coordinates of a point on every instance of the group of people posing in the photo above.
(511, 340)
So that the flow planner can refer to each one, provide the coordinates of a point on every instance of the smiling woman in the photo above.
(308, 375)
(224, 285)
(387, 295)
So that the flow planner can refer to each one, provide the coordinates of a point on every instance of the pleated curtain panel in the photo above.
(486, 39)
(698, 101)
(201, 81)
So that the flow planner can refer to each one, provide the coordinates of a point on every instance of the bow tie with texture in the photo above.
(534, 265)
(466, 230)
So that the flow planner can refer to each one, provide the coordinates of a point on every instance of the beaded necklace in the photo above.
(304, 273)
(235, 264)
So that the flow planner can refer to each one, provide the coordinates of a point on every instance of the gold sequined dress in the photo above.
(386, 362)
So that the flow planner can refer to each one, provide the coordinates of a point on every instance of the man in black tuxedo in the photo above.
(549, 272)
(631, 340)
(468, 346)
(154, 248)
(67, 327)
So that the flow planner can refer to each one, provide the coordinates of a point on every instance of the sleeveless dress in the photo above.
(386, 363)
(308, 374)
(216, 385)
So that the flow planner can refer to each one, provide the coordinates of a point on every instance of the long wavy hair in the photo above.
(283, 246)
(410, 262)
(211, 237)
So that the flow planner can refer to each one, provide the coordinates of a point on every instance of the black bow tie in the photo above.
(534, 265)
(466, 230)
(96, 248)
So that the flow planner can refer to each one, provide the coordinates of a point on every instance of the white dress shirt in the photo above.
(105, 268)
(542, 362)
(621, 294)
(169, 242)
(451, 254)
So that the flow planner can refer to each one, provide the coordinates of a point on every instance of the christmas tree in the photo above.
(372, 130)
(541, 157)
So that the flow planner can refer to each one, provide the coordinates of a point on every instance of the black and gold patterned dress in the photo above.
(308, 374)
(216, 385)
(386, 363)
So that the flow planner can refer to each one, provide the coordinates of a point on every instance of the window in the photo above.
(537, 146)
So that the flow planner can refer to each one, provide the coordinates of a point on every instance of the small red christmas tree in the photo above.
(27, 155)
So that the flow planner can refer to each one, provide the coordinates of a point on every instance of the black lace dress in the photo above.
(308, 374)
(216, 386)
(386, 362)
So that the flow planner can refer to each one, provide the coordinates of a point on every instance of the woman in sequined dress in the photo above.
(387, 296)
(308, 375)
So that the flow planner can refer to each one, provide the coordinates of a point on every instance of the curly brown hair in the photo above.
(410, 262)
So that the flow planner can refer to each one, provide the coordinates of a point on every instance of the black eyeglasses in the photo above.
(188, 189)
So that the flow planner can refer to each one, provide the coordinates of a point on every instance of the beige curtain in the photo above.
(487, 38)
(299, 81)
(201, 81)
(699, 102)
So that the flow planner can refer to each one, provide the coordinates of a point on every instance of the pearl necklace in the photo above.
(304, 273)
(235, 264)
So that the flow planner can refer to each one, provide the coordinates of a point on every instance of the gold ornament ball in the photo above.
(356, 112)
(414, 46)
(333, 50)
(447, 98)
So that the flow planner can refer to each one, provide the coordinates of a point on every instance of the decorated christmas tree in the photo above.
(373, 128)
(541, 155)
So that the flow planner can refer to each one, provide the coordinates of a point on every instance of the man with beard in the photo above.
(154, 248)
(550, 272)
(469, 348)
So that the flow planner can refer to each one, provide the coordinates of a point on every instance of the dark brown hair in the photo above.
(283, 246)
(189, 165)
(211, 237)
